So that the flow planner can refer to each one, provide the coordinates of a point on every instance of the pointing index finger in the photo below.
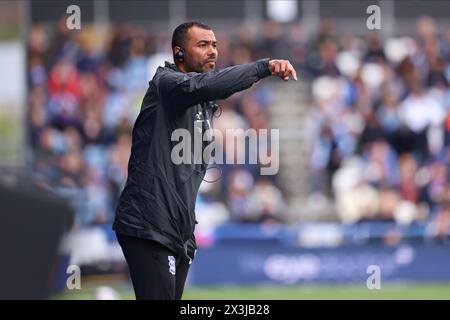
(294, 74)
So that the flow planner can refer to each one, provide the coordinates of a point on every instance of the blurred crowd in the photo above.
(379, 126)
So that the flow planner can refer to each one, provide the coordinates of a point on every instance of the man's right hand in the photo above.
(282, 69)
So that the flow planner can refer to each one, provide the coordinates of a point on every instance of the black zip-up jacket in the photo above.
(158, 200)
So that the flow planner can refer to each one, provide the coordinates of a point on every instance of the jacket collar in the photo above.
(171, 65)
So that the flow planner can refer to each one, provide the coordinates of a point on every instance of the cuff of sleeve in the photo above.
(263, 68)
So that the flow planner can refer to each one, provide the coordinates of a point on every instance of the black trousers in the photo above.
(156, 272)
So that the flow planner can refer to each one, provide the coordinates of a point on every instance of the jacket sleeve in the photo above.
(186, 89)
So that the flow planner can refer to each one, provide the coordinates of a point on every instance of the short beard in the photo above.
(200, 68)
(208, 69)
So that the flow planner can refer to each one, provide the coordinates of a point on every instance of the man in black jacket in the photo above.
(155, 216)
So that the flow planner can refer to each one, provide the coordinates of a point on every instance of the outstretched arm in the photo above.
(187, 89)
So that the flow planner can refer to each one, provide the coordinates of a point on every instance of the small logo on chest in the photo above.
(171, 264)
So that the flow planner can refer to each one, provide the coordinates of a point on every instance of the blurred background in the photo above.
(364, 147)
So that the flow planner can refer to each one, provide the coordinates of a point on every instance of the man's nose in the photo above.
(212, 52)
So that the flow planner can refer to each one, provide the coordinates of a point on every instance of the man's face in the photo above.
(201, 50)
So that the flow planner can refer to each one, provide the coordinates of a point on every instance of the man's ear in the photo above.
(179, 54)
